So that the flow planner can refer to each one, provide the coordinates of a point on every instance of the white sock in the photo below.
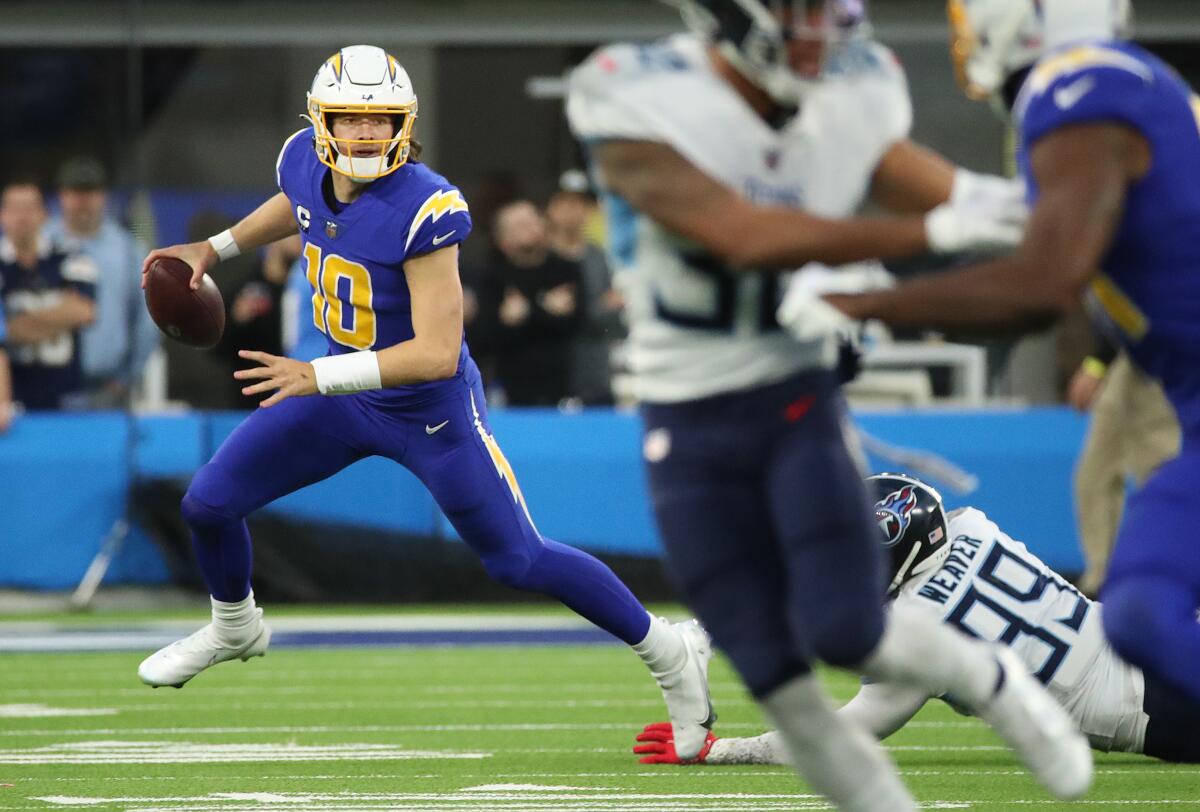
(661, 650)
(235, 623)
(918, 650)
(840, 760)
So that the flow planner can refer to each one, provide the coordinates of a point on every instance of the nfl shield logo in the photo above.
(772, 159)
(330, 229)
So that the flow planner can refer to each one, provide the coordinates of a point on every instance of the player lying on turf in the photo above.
(967, 571)
(381, 233)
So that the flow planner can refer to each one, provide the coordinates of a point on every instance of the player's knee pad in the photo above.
(510, 568)
(205, 505)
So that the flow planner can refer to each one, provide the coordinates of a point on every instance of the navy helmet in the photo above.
(753, 35)
(912, 523)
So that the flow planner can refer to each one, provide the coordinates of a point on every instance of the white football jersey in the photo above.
(991, 587)
(697, 329)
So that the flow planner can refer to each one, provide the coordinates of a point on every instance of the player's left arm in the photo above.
(431, 354)
(1083, 171)
(437, 319)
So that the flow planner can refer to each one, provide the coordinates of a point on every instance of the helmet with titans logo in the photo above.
(912, 523)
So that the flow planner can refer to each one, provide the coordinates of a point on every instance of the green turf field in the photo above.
(484, 728)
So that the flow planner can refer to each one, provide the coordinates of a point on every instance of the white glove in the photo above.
(807, 316)
(984, 212)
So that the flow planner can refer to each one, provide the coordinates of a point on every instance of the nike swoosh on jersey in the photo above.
(435, 429)
(443, 238)
(1068, 96)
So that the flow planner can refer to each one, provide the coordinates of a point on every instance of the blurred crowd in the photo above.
(542, 315)
(74, 333)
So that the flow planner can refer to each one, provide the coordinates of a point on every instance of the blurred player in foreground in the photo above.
(966, 571)
(727, 156)
(1110, 149)
(380, 236)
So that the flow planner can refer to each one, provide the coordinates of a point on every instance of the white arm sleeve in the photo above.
(883, 709)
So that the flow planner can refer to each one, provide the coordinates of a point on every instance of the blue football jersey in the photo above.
(43, 373)
(354, 257)
(1147, 295)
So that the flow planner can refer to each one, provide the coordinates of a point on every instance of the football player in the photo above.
(1110, 149)
(966, 571)
(380, 235)
(725, 156)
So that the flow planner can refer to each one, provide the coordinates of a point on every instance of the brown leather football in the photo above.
(194, 317)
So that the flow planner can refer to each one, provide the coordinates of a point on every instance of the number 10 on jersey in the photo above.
(341, 310)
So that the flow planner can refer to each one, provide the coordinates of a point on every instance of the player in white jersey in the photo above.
(725, 157)
(982, 581)
(698, 182)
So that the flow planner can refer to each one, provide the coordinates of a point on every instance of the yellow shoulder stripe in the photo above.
(1084, 56)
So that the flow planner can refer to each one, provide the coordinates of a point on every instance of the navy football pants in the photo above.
(768, 526)
(303, 440)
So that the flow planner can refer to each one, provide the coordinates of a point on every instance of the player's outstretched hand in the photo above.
(199, 255)
(287, 376)
(658, 746)
(984, 212)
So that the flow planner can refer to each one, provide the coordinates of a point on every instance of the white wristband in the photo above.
(225, 245)
(347, 373)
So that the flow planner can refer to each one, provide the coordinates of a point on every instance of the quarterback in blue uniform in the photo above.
(380, 238)
(1110, 150)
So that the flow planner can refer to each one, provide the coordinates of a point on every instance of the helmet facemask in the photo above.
(764, 39)
(338, 153)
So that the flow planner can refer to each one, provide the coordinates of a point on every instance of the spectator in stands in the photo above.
(48, 297)
(530, 310)
(118, 343)
(568, 215)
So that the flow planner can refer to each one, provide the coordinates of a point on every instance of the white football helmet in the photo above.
(994, 39)
(362, 79)
(754, 35)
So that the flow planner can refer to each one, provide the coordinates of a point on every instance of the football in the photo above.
(193, 317)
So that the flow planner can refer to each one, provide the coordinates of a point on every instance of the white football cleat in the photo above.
(1040, 731)
(686, 691)
(177, 663)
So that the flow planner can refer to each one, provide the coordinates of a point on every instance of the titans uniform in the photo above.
(696, 328)
(46, 372)
(991, 587)
(1147, 299)
(743, 424)
(355, 256)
